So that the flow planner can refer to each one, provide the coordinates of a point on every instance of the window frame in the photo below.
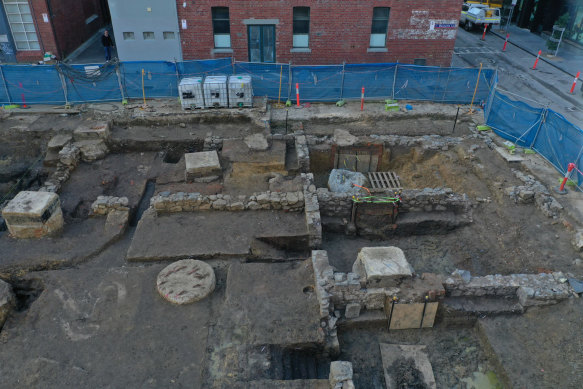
(27, 28)
(216, 20)
(374, 28)
(148, 32)
(300, 19)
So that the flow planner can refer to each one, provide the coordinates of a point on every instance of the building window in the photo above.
(21, 24)
(168, 35)
(301, 27)
(128, 36)
(221, 27)
(380, 23)
(148, 35)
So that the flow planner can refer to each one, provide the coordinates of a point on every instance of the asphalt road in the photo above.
(546, 86)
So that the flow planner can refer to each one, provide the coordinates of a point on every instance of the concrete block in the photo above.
(382, 267)
(186, 281)
(340, 371)
(202, 164)
(33, 215)
(352, 310)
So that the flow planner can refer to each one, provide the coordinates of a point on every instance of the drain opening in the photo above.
(26, 292)
(172, 156)
(144, 202)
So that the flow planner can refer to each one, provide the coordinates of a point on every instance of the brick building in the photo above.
(320, 32)
(56, 26)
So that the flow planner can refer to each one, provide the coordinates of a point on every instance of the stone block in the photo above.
(382, 267)
(33, 215)
(340, 371)
(578, 240)
(59, 141)
(344, 138)
(256, 142)
(92, 131)
(202, 164)
(92, 149)
(352, 310)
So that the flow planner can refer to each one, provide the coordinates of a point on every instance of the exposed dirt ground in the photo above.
(98, 320)
(504, 237)
(454, 353)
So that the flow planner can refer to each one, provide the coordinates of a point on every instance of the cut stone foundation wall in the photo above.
(312, 209)
(336, 290)
(413, 200)
(105, 204)
(166, 202)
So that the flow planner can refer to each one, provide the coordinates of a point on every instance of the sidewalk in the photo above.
(91, 52)
(569, 59)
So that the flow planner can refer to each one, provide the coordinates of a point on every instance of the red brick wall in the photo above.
(339, 30)
(66, 26)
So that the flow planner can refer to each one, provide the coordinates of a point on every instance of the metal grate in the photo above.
(384, 181)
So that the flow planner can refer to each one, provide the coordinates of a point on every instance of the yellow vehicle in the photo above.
(478, 15)
(489, 4)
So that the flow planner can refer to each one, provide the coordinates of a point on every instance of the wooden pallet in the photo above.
(384, 182)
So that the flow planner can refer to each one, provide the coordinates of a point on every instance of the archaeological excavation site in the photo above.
(318, 247)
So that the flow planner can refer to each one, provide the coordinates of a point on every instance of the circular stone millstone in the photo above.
(186, 281)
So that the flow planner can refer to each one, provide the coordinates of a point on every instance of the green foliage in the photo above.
(563, 20)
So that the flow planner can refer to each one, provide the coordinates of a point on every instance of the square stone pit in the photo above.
(33, 214)
(381, 267)
(202, 164)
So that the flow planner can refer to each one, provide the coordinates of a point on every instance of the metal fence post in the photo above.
(543, 118)
(64, 85)
(5, 86)
(342, 84)
(119, 83)
(395, 80)
(177, 76)
(289, 80)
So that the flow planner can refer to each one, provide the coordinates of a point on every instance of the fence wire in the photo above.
(540, 129)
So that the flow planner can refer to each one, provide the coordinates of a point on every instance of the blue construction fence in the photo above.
(61, 84)
(538, 128)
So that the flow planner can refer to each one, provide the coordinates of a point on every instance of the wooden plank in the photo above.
(363, 163)
(407, 316)
(374, 163)
(347, 161)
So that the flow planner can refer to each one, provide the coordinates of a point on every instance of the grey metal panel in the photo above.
(134, 16)
(7, 49)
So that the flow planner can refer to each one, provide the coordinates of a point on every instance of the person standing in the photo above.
(107, 44)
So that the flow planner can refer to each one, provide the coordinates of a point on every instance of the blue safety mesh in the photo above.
(80, 91)
(377, 80)
(544, 130)
(33, 84)
(207, 67)
(561, 143)
(266, 78)
(160, 79)
(317, 83)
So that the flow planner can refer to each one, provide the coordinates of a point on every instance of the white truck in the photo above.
(478, 15)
